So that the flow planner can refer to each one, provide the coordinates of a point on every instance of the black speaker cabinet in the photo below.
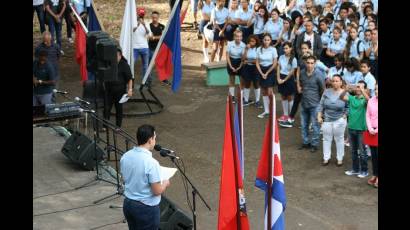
(107, 63)
(92, 38)
(172, 217)
(80, 150)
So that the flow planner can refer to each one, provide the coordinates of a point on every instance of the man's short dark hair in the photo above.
(154, 12)
(366, 62)
(144, 133)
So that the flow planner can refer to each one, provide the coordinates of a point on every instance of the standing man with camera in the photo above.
(140, 42)
(143, 185)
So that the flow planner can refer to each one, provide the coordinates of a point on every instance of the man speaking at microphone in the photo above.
(143, 185)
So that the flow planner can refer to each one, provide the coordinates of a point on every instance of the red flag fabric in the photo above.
(80, 50)
(163, 63)
(228, 201)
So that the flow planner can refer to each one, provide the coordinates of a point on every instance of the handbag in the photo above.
(369, 139)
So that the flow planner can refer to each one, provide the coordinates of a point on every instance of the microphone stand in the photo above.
(194, 192)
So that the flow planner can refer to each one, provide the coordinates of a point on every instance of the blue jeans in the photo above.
(144, 54)
(40, 15)
(307, 116)
(140, 216)
(55, 28)
(359, 156)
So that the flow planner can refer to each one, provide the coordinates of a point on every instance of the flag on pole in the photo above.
(232, 208)
(93, 22)
(269, 176)
(80, 50)
(128, 23)
(238, 125)
(168, 60)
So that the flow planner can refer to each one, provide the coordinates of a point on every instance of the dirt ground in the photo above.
(192, 123)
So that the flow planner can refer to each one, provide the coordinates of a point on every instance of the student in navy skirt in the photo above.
(249, 73)
(244, 20)
(234, 54)
(287, 65)
(219, 17)
(266, 61)
(206, 7)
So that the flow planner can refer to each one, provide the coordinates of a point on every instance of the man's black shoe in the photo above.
(313, 149)
(304, 146)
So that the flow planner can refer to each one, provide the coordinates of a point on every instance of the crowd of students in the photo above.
(320, 56)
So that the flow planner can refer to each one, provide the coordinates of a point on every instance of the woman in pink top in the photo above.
(372, 127)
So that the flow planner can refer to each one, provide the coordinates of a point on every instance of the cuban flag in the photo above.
(168, 60)
(269, 176)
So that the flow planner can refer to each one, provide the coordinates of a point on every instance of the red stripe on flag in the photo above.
(80, 50)
(163, 62)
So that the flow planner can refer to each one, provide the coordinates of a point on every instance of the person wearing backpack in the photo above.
(354, 46)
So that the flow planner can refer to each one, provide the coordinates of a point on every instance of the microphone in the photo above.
(81, 100)
(81, 110)
(165, 152)
(60, 92)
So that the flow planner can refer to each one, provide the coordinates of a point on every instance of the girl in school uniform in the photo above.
(249, 73)
(266, 61)
(206, 7)
(274, 26)
(352, 74)
(338, 69)
(234, 60)
(354, 47)
(260, 19)
(231, 25)
(287, 65)
(336, 46)
(325, 37)
(285, 36)
(244, 21)
(219, 16)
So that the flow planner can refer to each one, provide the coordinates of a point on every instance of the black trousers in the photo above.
(296, 102)
(375, 160)
(113, 96)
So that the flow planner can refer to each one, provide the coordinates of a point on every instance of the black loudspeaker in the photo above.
(107, 63)
(172, 217)
(80, 149)
(89, 92)
(91, 52)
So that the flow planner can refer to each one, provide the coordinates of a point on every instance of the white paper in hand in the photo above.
(124, 98)
(167, 173)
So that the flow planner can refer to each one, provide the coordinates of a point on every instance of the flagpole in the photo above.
(79, 19)
(271, 120)
(240, 113)
(235, 158)
(151, 63)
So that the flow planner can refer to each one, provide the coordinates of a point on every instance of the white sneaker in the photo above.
(70, 40)
(263, 115)
(62, 52)
(206, 59)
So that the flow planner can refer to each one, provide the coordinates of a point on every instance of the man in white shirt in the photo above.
(141, 34)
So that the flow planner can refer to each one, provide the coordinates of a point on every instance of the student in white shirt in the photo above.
(234, 54)
(244, 20)
(260, 19)
(206, 7)
(354, 46)
(266, 62)
(274, 26)
(249, 72)
(231, 25)
(336, 45)
(219, 16)
(287, 66)
(337, 69)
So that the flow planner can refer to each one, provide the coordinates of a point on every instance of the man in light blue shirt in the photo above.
(143, 185)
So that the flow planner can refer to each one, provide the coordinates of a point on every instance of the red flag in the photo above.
(80, 50)
(230, 213)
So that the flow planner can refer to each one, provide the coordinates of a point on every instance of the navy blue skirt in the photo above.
(235, 62)
(270, 80)
(216, 33)
(288, 87)
(250, 73)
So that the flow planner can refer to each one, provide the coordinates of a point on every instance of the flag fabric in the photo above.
(232, 208)
(128, 23)
(168, 60)
(93, 23)
(238, 126)
(80, 50)
(269, 174)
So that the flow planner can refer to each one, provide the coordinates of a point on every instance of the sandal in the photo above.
(376, 183)
(372, 180)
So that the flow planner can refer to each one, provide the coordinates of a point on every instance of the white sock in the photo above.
(290, 105)
(285, 105)
(257, 94)
(266, 103)
(246, 92)
(232, 91)
(205, 51)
